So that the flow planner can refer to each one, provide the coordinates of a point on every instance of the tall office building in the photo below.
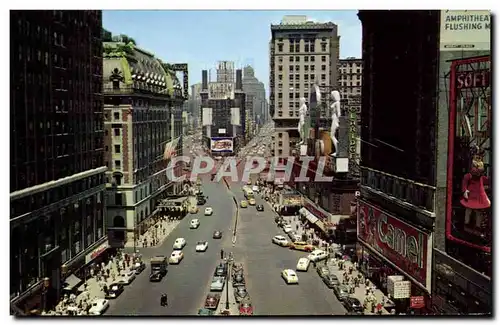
(57, 216)
(195, 104)
(255, 96)
(302, 52)
(142, 105)
(225, 72)
(350, 77)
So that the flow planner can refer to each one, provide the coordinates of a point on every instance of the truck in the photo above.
(158, 268)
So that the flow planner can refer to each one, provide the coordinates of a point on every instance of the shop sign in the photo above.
(96, 252)
(402, 290)
(354, 113)
(417, 302)
(315, 211)
(292, 200)
(400, 243)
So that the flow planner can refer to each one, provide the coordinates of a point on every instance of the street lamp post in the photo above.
(227, 286)
(156, 232)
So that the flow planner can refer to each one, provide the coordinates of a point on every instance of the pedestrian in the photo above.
(221, 254)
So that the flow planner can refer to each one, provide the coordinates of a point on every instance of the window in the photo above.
(280, 113)
(280, 47)
(306, 68)
(118, 198)
(280, 95)
(291, 48)
(311, 76)
(297, 47)
(297, 86)
(306, 77)
(297, 68)
(116, 115)
(116, 84)
(291, 59)
(323, 77)
(280, 68)
(297, 59)
(117, 148)
(280, 77)
(290, 95)
(306, 59)
(312, 67)
(306, 48)
(106, 148)
(280, 135)
(280, 59)
(312, 58)
(312, 48)
(291, 77)
(297, 105)
(280, 152)
(323, 58)
(118, 164)
(323, 67)
(116, 131)
(358, 83)
(290, 68)
(323, 47)
(297, 77)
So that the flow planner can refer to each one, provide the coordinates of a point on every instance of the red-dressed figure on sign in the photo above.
(475, 200)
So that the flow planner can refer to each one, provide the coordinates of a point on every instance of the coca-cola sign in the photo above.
(400, 243)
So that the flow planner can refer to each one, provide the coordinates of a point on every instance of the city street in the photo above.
(187, 283)
(264, 262)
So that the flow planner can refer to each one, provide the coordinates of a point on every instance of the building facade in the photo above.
(256, 103)
(350, 77)
(57, 183)
(223, 114)
(301, 53)
(143, 105)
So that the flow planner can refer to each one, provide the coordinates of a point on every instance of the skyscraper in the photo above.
(255, 95)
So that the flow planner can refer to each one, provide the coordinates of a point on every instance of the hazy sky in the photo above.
(201, 38)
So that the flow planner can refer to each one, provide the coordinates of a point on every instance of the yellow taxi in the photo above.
(193, 209)
(302, 246)
(243, 204)
(252, 202)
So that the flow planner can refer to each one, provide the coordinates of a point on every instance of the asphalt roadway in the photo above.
(187, 283)
(264, 261)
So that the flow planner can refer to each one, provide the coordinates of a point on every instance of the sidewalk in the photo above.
(165, 227)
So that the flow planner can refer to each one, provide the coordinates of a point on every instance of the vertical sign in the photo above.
(354, 113)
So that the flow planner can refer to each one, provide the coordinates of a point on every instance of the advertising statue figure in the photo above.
(475, 200)
(302, 120)
(335, 108)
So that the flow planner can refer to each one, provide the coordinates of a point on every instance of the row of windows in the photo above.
(308, 47)
(296, 68)
(296, 77)
(307, 58)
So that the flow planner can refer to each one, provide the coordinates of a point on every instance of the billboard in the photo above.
(221, 144)
(469, 170)
(465, 30)
(403, 245)
(354, 148)
(220, 90)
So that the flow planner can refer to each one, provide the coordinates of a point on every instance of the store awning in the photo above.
(320, 225)
(309, 216)
(71, 282)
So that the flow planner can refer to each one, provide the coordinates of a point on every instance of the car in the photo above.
(155, 277)
(245, 308)
(341, 292)
(238, 279)
(302, 246)
(252, 202)
(287, 228)
(249, 183)
(126, 277)
(317, 255)
(255, 188)
(201, 246)
(323, 271)
(176, 257)
(114, 290)
(194, 224)
(245, 188)
(221, 270)
(240, 294)
(217, 234)
(303, 264)
(205, 312)
(290, 276)
(244, 204)
(139, 267)
(217, 283)
(212, 301)
(193, 210)
(209, 211)
(280, 240)
(237, 267)
(259, 207)
(331, 281)
(353, 305)
(179, 243)
(98, 306)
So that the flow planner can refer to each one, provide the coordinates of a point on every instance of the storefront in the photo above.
(389, 246)
(290, 201)
(317, 217)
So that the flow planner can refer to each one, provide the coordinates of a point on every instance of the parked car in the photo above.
(290, 276)
(237, 267)
(341, 292)
(114, 290)
(240, 293)
(201, 246)
(221, 270)
(217, 283)
(353, 305)
(317, 255)
(139, 267)
(98, 306)
(302, 246)
(126, 277)
(259, 207)
(331, 281)
(205, 312)
(217, 234)
(280, 240)
(212, 301)
(287, 229)
(246, 308)
(238, 279)
(303, 264)
(323, 271)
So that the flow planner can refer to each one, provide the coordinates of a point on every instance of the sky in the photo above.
(201, 38)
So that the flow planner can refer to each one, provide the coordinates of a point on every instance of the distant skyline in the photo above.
(201, 38)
